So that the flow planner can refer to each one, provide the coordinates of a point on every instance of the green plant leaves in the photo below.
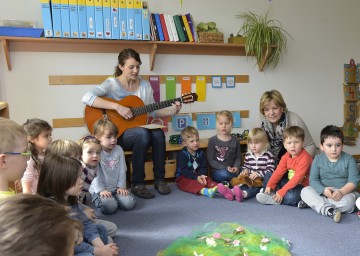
(265, 37)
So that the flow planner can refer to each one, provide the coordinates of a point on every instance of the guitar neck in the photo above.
(154, 106)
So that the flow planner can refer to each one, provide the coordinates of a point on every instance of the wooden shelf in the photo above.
(28, 44)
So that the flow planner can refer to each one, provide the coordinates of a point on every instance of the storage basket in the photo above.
(211, 37)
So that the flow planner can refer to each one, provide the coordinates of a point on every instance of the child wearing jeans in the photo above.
(70, 148)
(108, 189)
(291, 174)
(258, 162)
(191, 168)
(334, 177)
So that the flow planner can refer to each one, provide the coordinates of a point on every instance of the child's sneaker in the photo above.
(335, 214)
(266, 198)
(302, 205)
(226, 192)
(238, 193)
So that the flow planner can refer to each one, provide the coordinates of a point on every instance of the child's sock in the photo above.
(245, 194)
(226, 192)
(238, 193)
(210, 192)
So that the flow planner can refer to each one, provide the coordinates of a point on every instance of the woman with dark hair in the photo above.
(126, 82)
(275, 118)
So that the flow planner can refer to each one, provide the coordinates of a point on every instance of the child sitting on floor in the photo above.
(90, 159)
(291, 174)
(333, 177)
(258, 162)
(70, 148)
(108, 189)
(39, 137)
(34, 225)
(191, 168)
(13, 154)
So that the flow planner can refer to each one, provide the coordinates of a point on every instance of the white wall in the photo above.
(310, 75)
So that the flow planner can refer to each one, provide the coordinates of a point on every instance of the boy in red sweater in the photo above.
(291, 174)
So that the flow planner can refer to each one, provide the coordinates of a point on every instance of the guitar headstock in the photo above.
(189, 97)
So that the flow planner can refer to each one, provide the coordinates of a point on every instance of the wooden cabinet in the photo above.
(27, 44)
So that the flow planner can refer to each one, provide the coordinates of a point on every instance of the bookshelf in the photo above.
(29, 44)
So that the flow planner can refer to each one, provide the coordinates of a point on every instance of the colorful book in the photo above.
(138, 9)
(158, 26)
(179, 29)
(107, 19)
(191, 25)
(115, 25)
(46, 16)
(173, 28)
(99, 22)
(163, 27)
(82, 18)
(187, 27)
(123, 19)
(154, 32)
(56, 17)
(130, 19)
(146, 22)
(90, 17)
(74, 19)
(65, 19)
(183, 28)
(168, 27)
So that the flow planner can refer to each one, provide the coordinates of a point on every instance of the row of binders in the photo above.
(174, 28)
(100, 19)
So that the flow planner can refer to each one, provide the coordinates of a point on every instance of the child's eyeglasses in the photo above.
(19, 153)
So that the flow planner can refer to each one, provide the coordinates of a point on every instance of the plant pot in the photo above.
(236, 40)
(211, 37)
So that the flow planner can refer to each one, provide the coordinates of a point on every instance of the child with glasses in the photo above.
(13, 154)
(39, 137)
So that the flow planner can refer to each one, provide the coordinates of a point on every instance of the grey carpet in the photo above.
(155, 223)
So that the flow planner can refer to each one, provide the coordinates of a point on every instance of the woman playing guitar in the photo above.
(126, 82)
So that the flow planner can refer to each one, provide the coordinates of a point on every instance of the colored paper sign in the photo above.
(170, 82)
(206, 121)
(155, 84)
(237, 119)
(179, 122)
(185, 84)
(201, 88)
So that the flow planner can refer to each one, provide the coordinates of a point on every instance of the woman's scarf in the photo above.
(275, 136)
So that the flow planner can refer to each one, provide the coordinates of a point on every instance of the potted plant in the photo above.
(265, 38)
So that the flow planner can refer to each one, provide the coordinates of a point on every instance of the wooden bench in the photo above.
(170, 162)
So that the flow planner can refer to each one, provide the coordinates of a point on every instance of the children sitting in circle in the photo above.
(39, 137)
(108, 189)
(292, 173)
(258, 162)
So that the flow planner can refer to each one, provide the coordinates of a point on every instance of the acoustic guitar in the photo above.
(138, 108)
